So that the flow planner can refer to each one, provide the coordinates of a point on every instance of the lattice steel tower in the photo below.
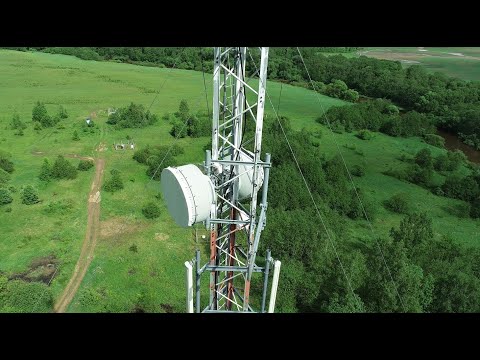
(237, 176)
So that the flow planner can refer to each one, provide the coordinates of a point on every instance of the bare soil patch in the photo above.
(41, 269)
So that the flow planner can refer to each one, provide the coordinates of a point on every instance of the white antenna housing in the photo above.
(245, 180)
(189, 194)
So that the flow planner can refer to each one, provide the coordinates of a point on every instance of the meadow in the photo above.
(84, 87)
(138, 260)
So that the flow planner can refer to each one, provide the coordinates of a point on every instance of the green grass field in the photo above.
(118, 276)
(83, 87)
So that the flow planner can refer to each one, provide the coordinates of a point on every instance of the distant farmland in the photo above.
(460, 62)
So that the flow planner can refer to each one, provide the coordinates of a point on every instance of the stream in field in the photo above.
(452, 142)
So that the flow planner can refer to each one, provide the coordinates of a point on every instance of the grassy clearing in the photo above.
(380, 154)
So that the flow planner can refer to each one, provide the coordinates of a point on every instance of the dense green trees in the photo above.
(132, 116)
(463, 188)
(378, 115)
(62, 169)
(340, 90)
(185, 123)
(40, 116)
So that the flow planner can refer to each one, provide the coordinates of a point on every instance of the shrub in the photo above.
(424, 158)
(442, 162)
(340, 90)
(133, 248)
(45, 171)
(179, 130)
(151, 210)
(420, 176)
(115, 183)
(29, 195)
(457, 158)
(16, 123)
(5, 162)
(75, 136)
(62, 112)
(60, 207)
(4, 176)
(338, 128)
(365, 134)
(398, 203)
(183, 110)
(39, 114)
(177, 150)
(397, 173)
(85, 165)
(438, 191)
(357, 170)
(5, 197)
(26, 297)
(63, 169)
(434, 140)
(450, 161)
(198, 126)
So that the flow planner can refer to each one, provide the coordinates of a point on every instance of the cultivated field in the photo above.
(461, 62)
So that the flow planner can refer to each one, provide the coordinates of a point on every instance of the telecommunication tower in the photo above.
(224, 196)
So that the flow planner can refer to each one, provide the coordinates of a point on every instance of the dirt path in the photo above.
(88, 247)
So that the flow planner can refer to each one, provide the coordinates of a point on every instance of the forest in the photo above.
(412, 270)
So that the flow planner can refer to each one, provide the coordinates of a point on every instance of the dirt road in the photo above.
(88, 247)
